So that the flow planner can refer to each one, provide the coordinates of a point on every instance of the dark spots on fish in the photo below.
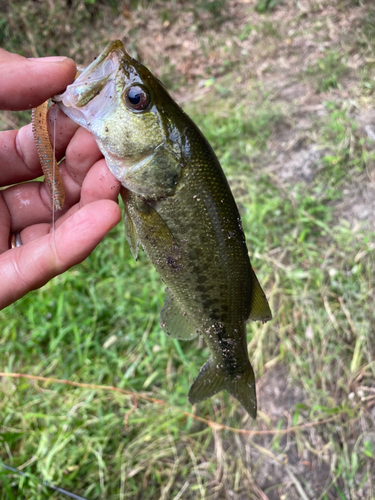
(171, 178)
(173, 262)
(208, 304)
(216, 316)
(126, 135)
(195, 254)
(228, 352)
(152, 239)
(201, 279)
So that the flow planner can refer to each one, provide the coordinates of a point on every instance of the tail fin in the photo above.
(211, 380)
(242, 387)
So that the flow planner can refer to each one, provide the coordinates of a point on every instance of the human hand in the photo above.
(90, 208)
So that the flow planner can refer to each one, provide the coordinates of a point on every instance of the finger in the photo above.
(5, 223)
(30, 266)
(26, 83)
(81, 153)
(99, 183)
(30, 204)
(34, 232)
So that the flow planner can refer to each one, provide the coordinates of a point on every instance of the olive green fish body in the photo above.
(202, 258)
(179, 207)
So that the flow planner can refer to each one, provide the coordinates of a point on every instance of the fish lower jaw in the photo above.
(118, 171)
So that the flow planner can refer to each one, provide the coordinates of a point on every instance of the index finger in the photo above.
(26, 83)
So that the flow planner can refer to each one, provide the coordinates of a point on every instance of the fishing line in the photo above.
(48, 485)
(53, 174)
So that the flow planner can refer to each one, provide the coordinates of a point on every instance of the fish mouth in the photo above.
(92, 80)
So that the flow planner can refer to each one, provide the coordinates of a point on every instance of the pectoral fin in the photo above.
(130, 233)
(176, 322)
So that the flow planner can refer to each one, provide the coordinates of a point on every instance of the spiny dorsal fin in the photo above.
(176, 322)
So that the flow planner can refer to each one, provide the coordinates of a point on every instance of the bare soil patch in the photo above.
(285, 53)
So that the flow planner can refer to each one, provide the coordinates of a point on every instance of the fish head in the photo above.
(131, 116)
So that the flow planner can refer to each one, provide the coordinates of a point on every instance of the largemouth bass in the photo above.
(179, 207)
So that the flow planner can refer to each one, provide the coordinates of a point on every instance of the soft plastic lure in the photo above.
(47, 156)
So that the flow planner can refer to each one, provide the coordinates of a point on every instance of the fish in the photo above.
(180, 209)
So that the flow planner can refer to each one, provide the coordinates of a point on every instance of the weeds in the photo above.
(328, 71)
(266, 5)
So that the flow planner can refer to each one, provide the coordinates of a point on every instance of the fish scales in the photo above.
(179, 207)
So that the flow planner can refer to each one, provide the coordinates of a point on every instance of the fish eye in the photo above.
(137, 98)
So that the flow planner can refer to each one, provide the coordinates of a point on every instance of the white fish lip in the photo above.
(92, 79)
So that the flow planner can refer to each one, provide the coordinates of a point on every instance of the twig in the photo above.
(347, 315)
(330, 314)
(182, 491)
(297, 484)
(214, 425)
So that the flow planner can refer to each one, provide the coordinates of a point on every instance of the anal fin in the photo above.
(176, 322)
(209, 382)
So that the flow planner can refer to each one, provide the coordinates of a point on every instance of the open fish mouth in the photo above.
(92, 80)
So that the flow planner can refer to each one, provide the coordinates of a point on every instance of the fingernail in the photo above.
(50, 59)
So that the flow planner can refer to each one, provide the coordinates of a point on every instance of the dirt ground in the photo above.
(296, 39)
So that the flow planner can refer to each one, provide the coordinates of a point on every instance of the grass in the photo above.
(328, 71)
(98, 324)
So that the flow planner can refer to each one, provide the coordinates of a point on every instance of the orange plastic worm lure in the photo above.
(46, 156)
